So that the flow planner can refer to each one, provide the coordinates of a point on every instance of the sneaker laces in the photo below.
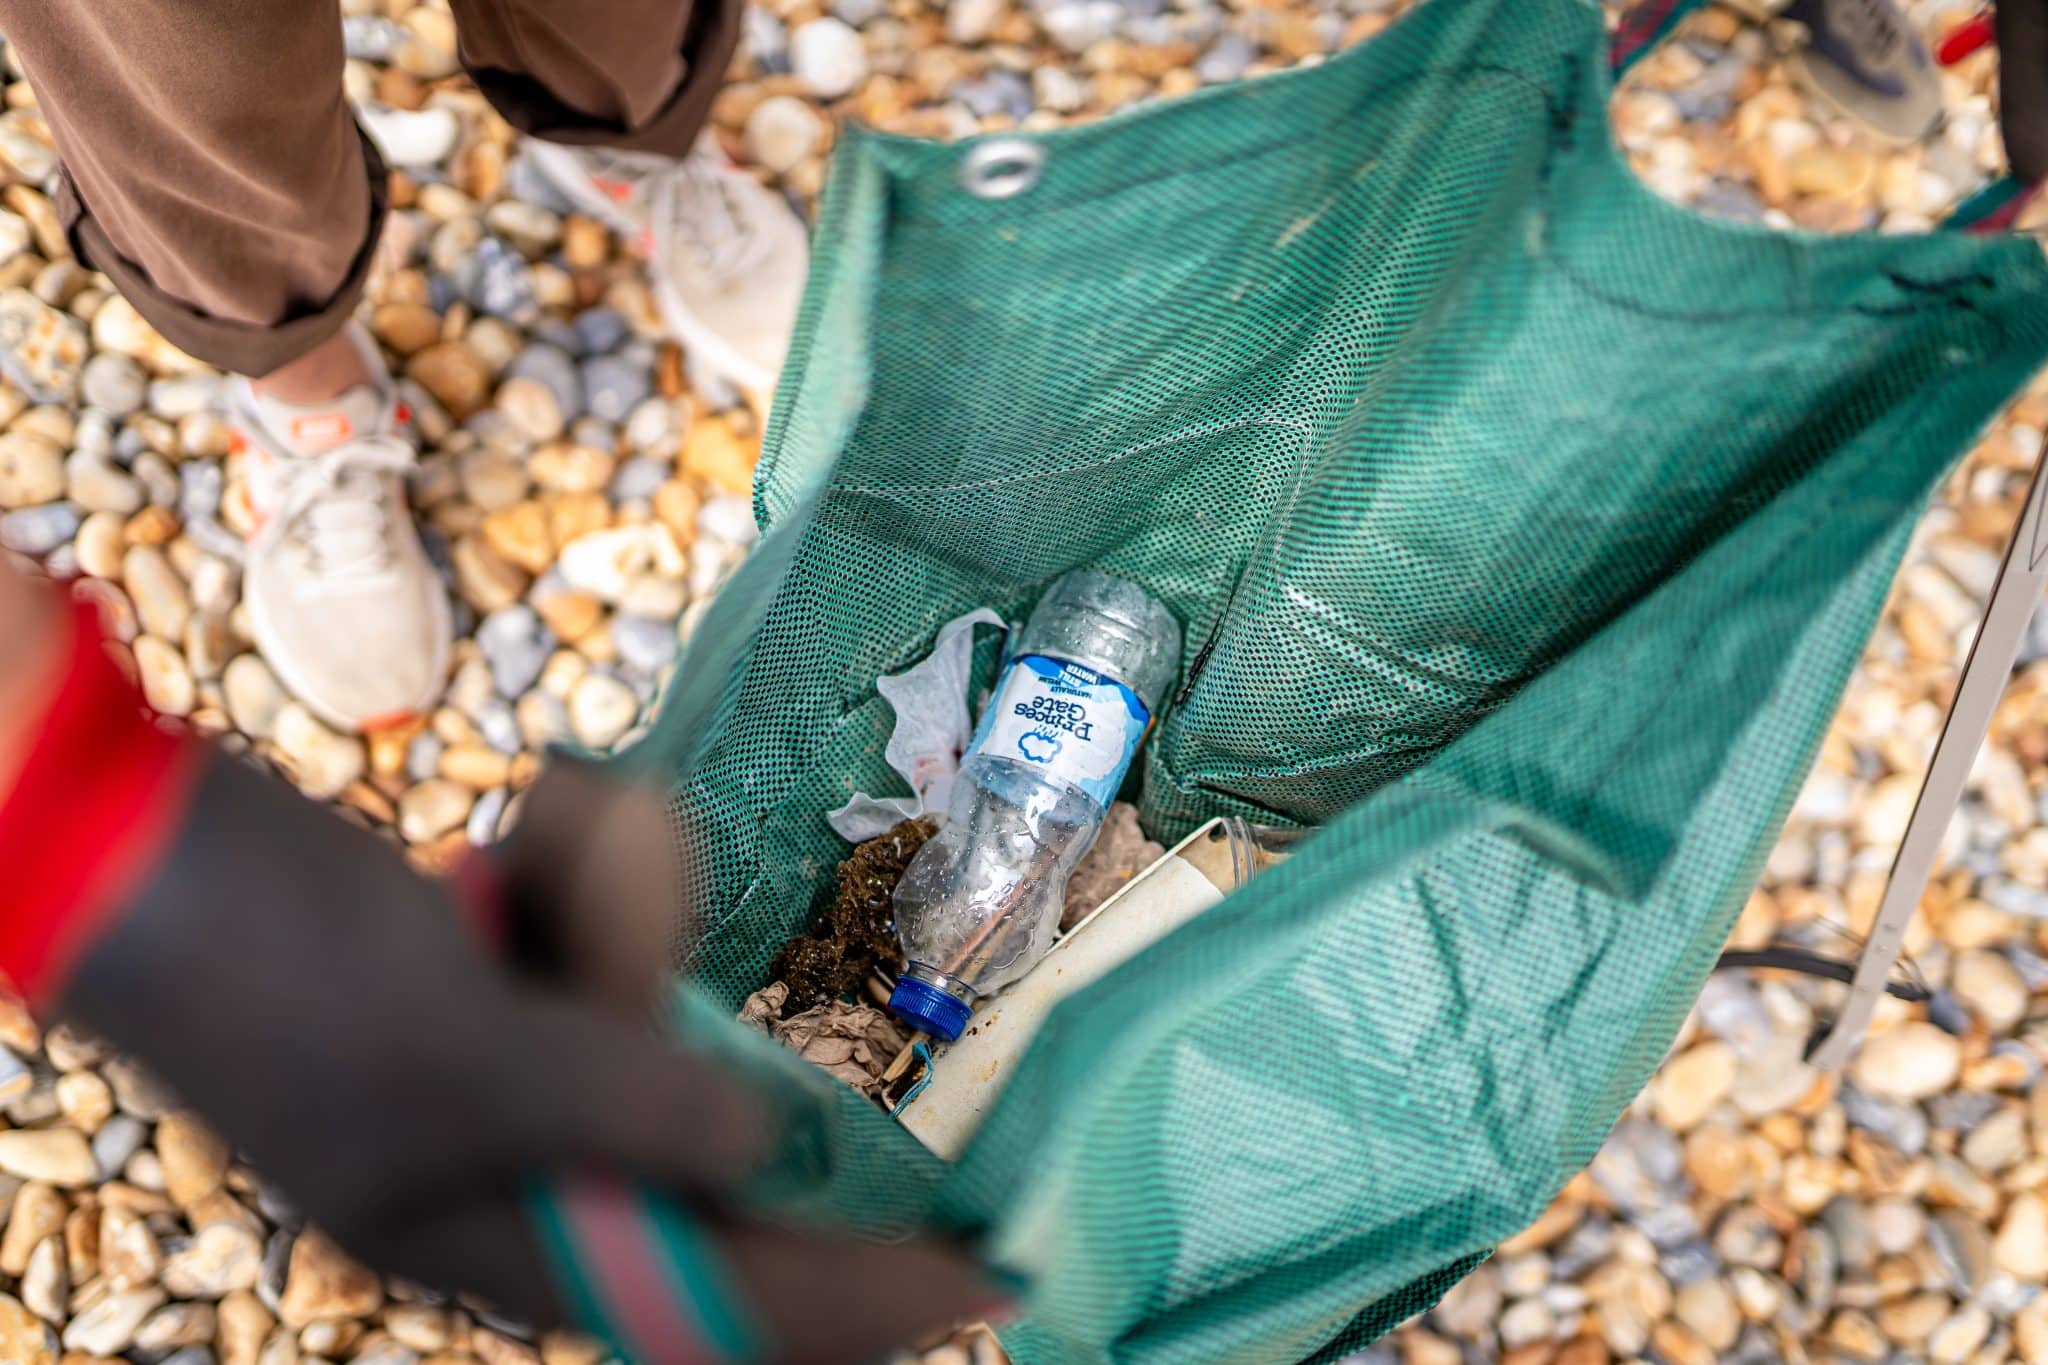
(336, 504)
(695, 208)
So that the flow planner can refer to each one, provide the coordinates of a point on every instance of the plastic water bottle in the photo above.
(980, 903)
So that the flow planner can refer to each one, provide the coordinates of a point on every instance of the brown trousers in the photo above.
(213, 170)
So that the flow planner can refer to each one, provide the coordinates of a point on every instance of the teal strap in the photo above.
(635, 1269)
(1642, 27)
(1994, 208)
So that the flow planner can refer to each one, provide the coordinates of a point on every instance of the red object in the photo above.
(1973, 34)
(89, 818)
(479, 890)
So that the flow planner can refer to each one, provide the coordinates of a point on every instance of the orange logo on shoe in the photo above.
(620, 190)
(321, 428)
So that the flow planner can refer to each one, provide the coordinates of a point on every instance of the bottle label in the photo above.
(1081, 727)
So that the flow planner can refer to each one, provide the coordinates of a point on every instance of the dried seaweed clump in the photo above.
(857, 930)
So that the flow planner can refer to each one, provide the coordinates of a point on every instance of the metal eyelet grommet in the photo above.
(1002, 168)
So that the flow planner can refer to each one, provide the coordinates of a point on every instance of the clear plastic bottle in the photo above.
(980, 903)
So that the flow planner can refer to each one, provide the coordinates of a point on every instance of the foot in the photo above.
(343, 602)
(728, 256)
(1862, 57)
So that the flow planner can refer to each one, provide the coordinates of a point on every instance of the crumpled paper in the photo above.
(853, 1044)
(933, 725)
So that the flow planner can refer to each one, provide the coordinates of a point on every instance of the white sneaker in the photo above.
(729, 257)
(343, 602)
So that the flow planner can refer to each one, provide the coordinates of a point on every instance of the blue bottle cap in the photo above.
(927, 1007)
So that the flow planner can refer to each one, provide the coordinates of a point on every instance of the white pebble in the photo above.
(601, 709)
(408, 137)
(783, 132)
(827, 56)
(323, 761)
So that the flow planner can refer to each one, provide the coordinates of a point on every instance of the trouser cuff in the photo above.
(708, 45)
(240, 347)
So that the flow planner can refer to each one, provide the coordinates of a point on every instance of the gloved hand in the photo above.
(468, 1124)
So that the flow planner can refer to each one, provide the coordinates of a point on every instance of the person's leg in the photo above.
(631, 75)
(214, 173)
(615, 92)
(212, 169)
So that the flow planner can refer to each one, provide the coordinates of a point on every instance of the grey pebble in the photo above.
(645, 646)
(529, 184)
(554, 367)
(1947, 1013)
(1733, 1012)
(423, 756)
(603, 329)
(119, 1138)
(200, 485)
(714, 388)
(1855, 1246)
(1902, 1126)
(498, 722)
(1721, 200)
(277, 1260)
(272, 1204)
(613, 387)
(485, 815)
(1226, 59)
(516, 644)
(996, 92)
(1755, 1347)
(1962, 1247)
(1689, 1262)
(561, 335)
(136, 1091)
(159, 479)
(371, 38)
(637, 479)
(2010, 896)
(767, 41)
(39, 530)
(595, 432)
(1671, 1225)
(216, 539)
(501, 282)
(62, 562)
(858, 12)
(2034, 647)
(197, 1355)
(1961, 1110)
(1584, 1247)
(113, 383)
(1819, 1268)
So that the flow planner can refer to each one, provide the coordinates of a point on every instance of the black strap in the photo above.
(1813, 964)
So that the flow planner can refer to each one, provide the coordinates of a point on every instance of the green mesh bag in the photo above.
(1524, 529)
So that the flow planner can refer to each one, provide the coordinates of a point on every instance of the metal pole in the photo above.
(1985, 672)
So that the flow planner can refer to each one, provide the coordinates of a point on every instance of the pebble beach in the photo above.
(585, 489)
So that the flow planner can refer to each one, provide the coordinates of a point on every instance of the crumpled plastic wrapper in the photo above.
(1120, 852)
(933, 725)
(853, 1044)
